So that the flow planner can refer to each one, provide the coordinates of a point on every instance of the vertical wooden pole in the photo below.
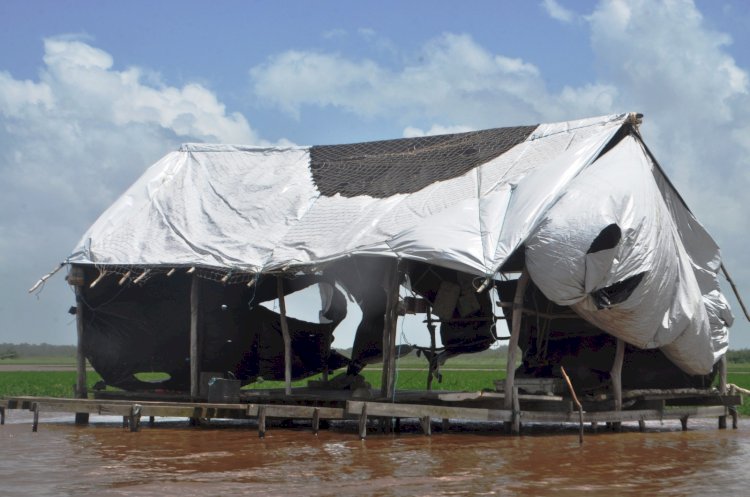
(723, 387)
(287, 338)
(77, 279)
(363, 422)
(433, 346)
(510, 371)
(391, 285)
(616, 377)
(195, 349)
(261, 421)
(35, 410)
(316, 421)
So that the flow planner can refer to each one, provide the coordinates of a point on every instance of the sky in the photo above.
(93, 92)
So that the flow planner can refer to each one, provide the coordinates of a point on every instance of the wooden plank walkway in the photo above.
(648, 405)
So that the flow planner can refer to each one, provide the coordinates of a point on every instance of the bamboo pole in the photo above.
(510, 372)
(195, 352)
(736, 292)
(287, 338)
(577, 403)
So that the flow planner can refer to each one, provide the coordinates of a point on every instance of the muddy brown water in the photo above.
(173, 459)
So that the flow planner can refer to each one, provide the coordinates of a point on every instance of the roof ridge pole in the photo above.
(285, 334)
(510, 371)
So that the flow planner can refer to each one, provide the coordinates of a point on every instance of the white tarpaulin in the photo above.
(252, 209)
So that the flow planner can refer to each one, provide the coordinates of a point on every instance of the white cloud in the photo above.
(557, 11)
(435, 129)
(70, 143)
(450, 79)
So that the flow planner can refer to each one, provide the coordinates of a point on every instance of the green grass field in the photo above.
(465, 373)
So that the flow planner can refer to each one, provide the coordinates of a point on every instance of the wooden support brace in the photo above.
(426, 423)
(35, 410)
(261, 421)
(316, 421)
(363, 422)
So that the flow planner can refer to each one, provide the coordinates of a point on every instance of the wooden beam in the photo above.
(287, 338)
(616, 374)
(510, 372)
(261, 421)
(195, 349)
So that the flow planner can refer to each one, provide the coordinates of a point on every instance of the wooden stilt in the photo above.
(316, 421)
(195, 349)
(641, 425)
(287, 338)
(261, 421)
(723, 387)
(391, 284)
(363, 422)
(35, 424)
(81, 389)
(134, 419)
(426, 423)
(433, 346)
(151, 420)
(684, 423)
(735, 417)
(510, 372)
(616, 377)
(516, 423)
(594, 426)
(397, 427)
(446, 424)
(2, 415)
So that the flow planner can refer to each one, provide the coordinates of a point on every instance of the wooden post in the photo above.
(391, 285)
(723, 387)
(35, 410)
(261, 421)
(616, 376)
(195, 345)
(2, 415)
(516, 423)
(641, 425)
(287, 338)
(76, 278)
(426, 423)
(510, 372)
(363, 422)
(684, 423)
(134, 420)
(433, 345)
(316, 421)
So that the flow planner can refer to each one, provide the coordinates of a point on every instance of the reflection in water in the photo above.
(174, 459)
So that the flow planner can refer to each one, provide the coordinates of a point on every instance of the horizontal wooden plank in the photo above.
(303, 412)
(354, 408)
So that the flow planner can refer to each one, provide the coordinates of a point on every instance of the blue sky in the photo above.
(91, 93)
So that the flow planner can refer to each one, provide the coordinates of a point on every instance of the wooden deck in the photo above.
(426, 406)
